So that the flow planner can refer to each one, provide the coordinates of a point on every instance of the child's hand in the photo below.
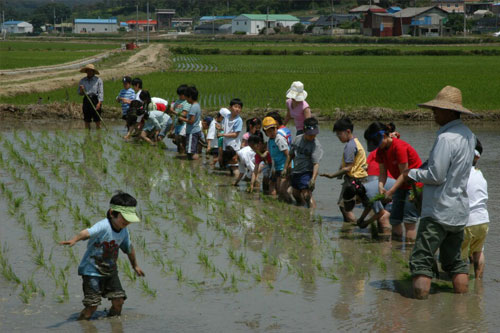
(327, 175)
(139, 271)
(311, 185)
(70, 242)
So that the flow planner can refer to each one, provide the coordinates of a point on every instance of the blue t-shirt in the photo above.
(102, 249)
(128, 94)
(276, 147)
(196, 112)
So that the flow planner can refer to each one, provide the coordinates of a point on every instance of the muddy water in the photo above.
(216, 259)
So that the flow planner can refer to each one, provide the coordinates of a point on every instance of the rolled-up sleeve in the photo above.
(100, 90)
(439, 163)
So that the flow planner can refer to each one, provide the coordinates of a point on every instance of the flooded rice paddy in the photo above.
(216, 258)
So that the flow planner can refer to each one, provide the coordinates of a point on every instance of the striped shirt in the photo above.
(128, 94)
(93, 86)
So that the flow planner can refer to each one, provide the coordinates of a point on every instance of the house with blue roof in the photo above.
(252, 24)
(95, 26)
(17, 27)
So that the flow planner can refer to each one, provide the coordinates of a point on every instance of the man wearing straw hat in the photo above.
(91, 87)
(445, 205)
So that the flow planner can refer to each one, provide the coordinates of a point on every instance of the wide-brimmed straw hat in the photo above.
(449, 98)
(297, 92)
(89, 67)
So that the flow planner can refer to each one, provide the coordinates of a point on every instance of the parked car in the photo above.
(496, 34)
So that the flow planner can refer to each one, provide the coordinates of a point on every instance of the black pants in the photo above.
(89, 114)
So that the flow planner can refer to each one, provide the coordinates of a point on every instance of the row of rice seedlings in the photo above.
(29, 289)
(7, 271)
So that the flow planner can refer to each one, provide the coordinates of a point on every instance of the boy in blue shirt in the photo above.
(126, 95)
(192, 119)
(98, 266)
(278, 148)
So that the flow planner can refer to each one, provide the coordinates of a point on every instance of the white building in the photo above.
(252, 24)
(17, 27)
(95, 26)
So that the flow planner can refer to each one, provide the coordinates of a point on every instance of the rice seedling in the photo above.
(179, 274)
(7, 271)
(146, 289)
(29, 288)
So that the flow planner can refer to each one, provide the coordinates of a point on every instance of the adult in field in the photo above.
(297, 107)
(92, 90)
(445, 205)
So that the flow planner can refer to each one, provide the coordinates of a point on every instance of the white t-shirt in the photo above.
(212, 134)
(477, 191)
(158, 100)
(232, 125)
(137, 95)
(246, 162)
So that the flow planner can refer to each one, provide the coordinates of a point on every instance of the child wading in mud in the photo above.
(98, 266)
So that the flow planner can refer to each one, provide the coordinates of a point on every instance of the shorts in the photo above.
(474, 237)
(276, 174)
(348, 205)
(192, 143)
(214, 151)
(89, 114)
(402, 209)
(371, 187)
(180, 130)
(95, 287)
(432, 236)
(300, 181)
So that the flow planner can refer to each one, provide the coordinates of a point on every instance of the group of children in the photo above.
(289, 168)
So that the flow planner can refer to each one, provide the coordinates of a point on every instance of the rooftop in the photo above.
(97, 21)
(270, 17)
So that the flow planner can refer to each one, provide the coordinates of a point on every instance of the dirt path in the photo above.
(149, 59)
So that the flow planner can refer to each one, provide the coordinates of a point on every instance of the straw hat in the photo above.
(297, 92)
(89, 67)
(449, 98)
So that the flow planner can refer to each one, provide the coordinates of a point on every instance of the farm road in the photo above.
(152, 58)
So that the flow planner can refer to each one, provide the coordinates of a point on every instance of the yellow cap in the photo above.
(269, 122)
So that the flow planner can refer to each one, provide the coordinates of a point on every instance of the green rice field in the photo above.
(344, 82)
(33, 54)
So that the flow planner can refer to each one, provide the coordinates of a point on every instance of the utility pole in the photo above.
(213, 24)
(54, 28)
(147, 15)
(465, 20)
(331, 23)
(267, 21)
(136, 24)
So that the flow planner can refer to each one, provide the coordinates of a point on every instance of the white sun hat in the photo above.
(297, 92)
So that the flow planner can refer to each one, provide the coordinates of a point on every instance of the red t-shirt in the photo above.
(373, 167)
(399, 152)
(259, 159)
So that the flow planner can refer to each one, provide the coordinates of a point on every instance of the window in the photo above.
(258, 26)
(245, 22)
(456, 5)
(93, 29)
(105, 29)
(237, 23)
(448, 5)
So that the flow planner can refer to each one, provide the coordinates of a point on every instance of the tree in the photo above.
(45, 14)
(456, 22)
(298, 28)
